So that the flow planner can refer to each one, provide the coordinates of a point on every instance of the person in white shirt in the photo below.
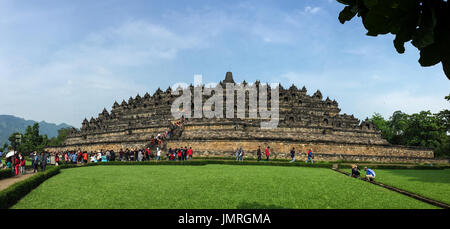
(158, 154)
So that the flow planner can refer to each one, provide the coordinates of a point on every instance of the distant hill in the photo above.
(10, 124)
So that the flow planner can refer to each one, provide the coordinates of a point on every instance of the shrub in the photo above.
(12, 194)
(5, 173)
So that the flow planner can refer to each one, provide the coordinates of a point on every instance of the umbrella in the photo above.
(10, 154)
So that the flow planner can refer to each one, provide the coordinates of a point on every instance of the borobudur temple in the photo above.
(304, 122)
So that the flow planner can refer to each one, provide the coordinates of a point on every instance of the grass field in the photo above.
(434, 184)
(211, 187)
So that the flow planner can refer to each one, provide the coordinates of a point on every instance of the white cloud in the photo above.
(312, 10)
(90, 72)
(406, 101)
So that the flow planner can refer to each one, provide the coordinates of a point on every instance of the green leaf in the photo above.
(347, 14)
(347, 2)
(376, 23)
(399, 44)
(430, 55)
(370, 3)
(446, 67)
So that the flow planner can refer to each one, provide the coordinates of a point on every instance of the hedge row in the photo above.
(5, 173)
(12, 194)
(375, 166)
(203, 162)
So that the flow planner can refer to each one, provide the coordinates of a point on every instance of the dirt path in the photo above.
(4, 183)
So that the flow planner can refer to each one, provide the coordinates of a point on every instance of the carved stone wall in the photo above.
(305, 122)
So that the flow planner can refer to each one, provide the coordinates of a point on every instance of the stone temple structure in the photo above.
(305, 121)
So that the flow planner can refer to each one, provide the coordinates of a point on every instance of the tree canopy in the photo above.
(419, 129)
(31, 140)
(426, 23)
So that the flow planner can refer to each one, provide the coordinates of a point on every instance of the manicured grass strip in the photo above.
(434, 184)
(403, 192)
(210, 187)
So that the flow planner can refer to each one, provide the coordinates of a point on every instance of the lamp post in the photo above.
(18, 141)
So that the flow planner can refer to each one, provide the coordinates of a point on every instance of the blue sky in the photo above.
(62, 61)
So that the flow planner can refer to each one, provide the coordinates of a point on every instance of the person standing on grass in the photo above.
(237, 154)
(267, 153)
(16, 164)
(147, 154)
(66, 157)
(44, 160)
(179, 154)
(158, 154)
(241, 154)
(108, 155)
(22, 164)
(31, 159)
(85, 157)
(258, 153)
(36, 162)
(190, 152)
(370, 174)
(140, 155)
(310, 157)
(56, 159)
(292, 154)
(74, 158)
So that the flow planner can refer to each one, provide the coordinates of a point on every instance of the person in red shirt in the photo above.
(190, 153)
(22, 163)
(147, 154)
(85, 157)
(16, 164)
(267, 153)
(179, 154)
(56, 159)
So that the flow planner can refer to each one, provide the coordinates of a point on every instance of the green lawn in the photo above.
(211, 187)
(434, 184)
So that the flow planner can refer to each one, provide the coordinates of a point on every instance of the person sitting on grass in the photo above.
(355, 171)
(370, 174)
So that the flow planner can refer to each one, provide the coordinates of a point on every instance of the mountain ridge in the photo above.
(10, 124)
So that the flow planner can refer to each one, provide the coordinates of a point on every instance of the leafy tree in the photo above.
(4, 147)
(419, 129)
(426, 23)
(62, 135)
(14, 143)
(383, 126)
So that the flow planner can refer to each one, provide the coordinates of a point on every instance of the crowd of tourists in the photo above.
(239, 154)
(180, 154)
(16, 162)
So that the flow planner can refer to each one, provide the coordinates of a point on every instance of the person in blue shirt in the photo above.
(310, 157)
(370, 174)
(74, 158)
